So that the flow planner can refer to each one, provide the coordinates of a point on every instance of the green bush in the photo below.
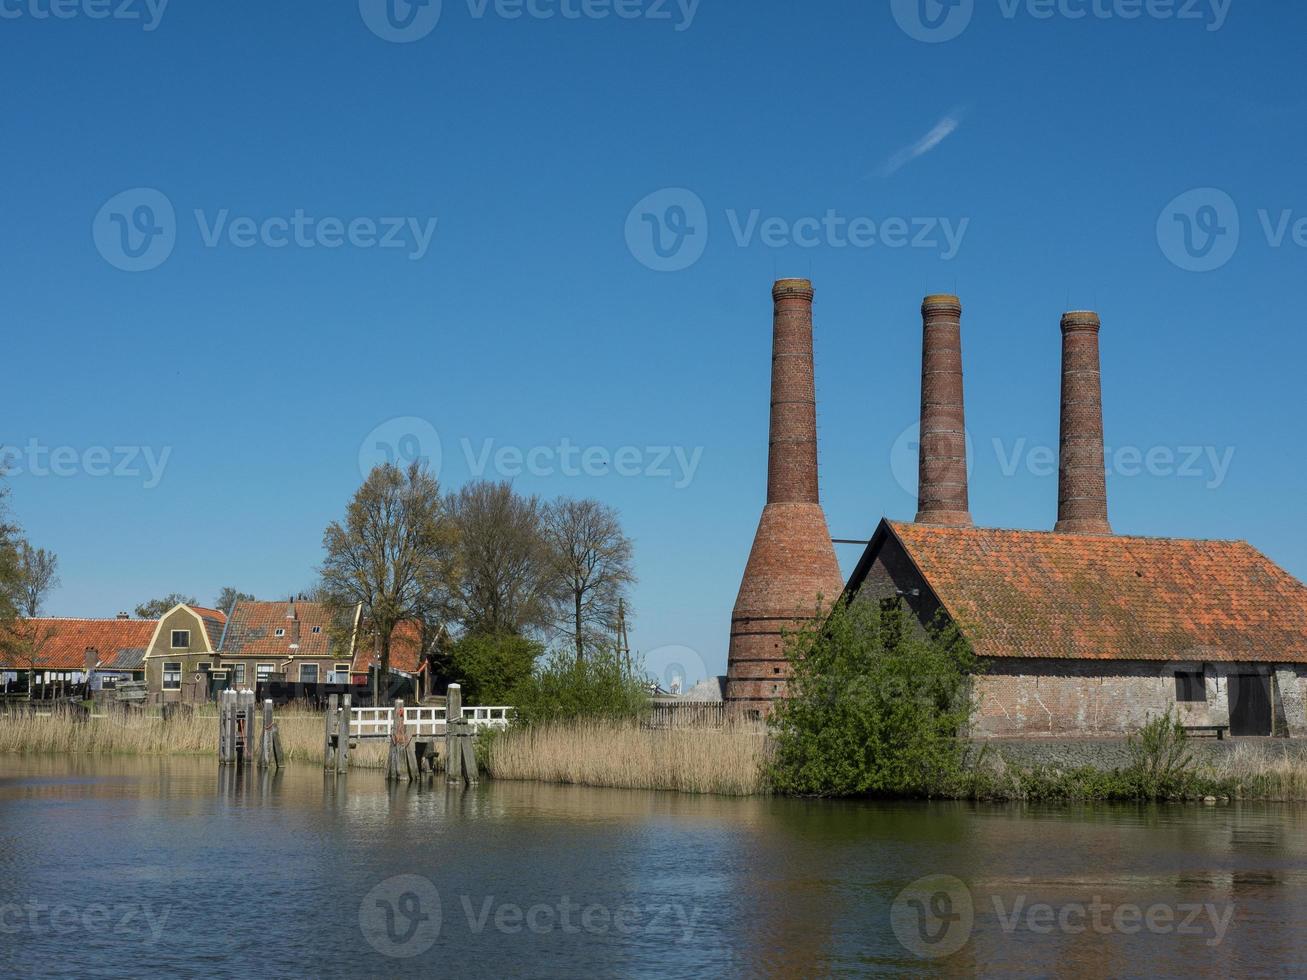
(876, 706)
(563, 689)
(490, 666)
(1161, 765)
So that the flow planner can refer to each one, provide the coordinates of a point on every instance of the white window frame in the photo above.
(174, 668)
(341, 668)
(280, 631)
(237, 673)
(317, 629)
(261, 672)
(316, 673)
(184, 646)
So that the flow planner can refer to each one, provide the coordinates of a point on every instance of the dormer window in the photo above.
(317, 629)
(281, 632)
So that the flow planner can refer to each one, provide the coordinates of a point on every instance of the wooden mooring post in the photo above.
(335, 747)
(460, 742)
(402, 762)
(237, 728)
(269, 740)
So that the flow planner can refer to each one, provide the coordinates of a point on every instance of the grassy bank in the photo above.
(195, 735)
(623, 755)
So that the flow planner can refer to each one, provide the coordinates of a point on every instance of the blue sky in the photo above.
(532, 315)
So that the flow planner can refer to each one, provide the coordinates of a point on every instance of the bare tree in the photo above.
(505, 580)
(38, 576)
(592, 559)
(393, 554)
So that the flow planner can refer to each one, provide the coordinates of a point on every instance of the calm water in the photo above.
(127, 868)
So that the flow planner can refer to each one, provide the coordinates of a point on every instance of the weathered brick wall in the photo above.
(1057, 697)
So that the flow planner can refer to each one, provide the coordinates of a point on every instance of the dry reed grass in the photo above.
(149, 735)
(729, 761)
(1263, 773)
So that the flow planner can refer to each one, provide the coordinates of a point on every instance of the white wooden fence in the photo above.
(378, 722)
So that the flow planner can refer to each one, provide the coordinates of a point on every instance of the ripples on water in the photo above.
(173, 867)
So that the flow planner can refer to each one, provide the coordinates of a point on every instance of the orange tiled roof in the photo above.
(61, 644)
(405, 649)
(1038, 594)
(252, 631)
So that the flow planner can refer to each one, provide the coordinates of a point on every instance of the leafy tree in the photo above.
(38, 576)
(491, 665)
(505, 582)
(876, 705)
(562, 688)
(228, 598)
(155, 608)
(394, 553)
(592, 560)
(10, 562)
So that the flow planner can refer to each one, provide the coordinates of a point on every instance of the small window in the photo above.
(1189, 686)
(308, 673)
(237, 673)
(261, 671)
(204, 667)
(172, 677)
(317, 629)
(341, 668)
(181, 639)
(281, 632)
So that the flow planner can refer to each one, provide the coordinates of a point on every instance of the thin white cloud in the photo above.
(941, 131)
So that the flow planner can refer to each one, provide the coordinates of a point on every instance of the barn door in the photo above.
(1250, 704)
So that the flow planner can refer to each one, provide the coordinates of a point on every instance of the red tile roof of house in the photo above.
(405, 649)
(1038, 594)
(215, 620)
(61, 644)
(252, 631)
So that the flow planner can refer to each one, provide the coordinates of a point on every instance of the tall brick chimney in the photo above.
(942, 488)
(1082, 477)
(792, 561)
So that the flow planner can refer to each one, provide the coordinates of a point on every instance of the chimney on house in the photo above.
(123, 615)
(91, 657)
(1082, 476)
(942, 487)
(293, 618)
(792, 564)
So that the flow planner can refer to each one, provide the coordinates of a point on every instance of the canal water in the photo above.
(130, 868)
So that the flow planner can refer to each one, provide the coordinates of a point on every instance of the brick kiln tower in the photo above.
(942, 496)
(792, 561)
(1082, 476)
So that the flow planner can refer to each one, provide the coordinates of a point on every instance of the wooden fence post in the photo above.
(231, 728)
(266, 757)
(250, 726)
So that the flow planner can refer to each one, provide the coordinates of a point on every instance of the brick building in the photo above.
(1085, 632)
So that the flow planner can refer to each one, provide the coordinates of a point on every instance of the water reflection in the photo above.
(279, 871)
